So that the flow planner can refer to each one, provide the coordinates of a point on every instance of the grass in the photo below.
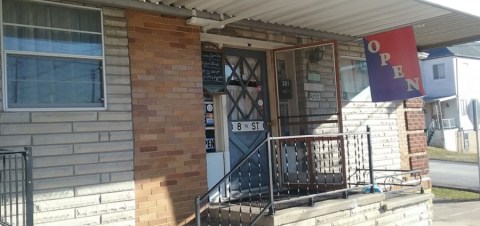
(455, 195)
(442, 154)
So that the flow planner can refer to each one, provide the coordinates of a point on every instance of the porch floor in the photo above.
(355, 208)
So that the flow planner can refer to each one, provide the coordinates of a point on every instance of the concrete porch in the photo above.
(360, 209)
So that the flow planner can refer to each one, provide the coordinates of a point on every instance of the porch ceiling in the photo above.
(434, 25)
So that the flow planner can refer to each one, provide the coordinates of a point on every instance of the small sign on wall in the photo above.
(209, 118)
(313, 77)
(247, 126)
(284, 88)
(314, 96)
(210, 144)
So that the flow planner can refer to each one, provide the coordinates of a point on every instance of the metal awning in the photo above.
(341, 19)
(438, 99)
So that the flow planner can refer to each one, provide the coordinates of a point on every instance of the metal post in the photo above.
(370, 160)
(440, 116)
(197, 211)
(29, 185)
(475, 127)
(270, 175)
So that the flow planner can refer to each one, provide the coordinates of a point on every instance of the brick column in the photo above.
(417, 142)
(167, 98)
(417, 145)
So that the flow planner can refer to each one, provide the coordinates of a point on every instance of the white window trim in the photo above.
(52, 28)
(4, 53)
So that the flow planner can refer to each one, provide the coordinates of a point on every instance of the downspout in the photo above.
(456, 93)
(457, 116)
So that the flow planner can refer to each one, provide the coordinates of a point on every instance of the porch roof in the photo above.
(438, 99)
(338, 19)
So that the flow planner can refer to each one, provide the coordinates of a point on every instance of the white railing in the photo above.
(449, 123)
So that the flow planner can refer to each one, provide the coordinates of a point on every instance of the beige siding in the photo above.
(83, 160)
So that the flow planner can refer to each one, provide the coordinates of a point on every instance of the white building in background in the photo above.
(451, 77)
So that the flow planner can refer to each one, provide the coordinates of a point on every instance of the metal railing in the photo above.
(431, 130)
(284, 172)
(16, 190)
(399, 180)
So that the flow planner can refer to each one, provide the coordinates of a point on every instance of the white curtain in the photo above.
(30, 26)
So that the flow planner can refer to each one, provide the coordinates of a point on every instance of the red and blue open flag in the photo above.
(393, 67)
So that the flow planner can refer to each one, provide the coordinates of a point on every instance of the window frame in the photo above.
(340, 58)
(4, 53)
(433, 71)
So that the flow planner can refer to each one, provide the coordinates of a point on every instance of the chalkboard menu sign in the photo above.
(212, 71)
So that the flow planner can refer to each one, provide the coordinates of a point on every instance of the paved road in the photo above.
(456, 213)
(454, 174)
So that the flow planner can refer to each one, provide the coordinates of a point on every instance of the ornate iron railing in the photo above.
(298, 171)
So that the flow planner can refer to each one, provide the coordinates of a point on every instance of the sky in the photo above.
(468, 6)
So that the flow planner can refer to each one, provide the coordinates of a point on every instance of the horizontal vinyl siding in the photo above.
(83, 161)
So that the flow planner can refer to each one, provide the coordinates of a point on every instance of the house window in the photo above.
(438, 71)
(354, 77)
(53, 56)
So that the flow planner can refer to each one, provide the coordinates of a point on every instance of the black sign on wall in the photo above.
(284, 88)
(212, 71)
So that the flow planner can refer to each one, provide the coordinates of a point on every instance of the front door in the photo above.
(248, 112)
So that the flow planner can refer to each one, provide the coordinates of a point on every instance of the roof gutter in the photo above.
(294, 30)
(152, 7)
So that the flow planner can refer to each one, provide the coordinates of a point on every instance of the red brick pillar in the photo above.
(417, 142)
(168, 118)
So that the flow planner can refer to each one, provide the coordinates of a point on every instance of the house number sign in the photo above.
(247, 126)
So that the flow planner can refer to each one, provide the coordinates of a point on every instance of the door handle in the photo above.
(270, 123)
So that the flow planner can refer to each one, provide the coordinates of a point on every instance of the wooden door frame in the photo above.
(337, 90)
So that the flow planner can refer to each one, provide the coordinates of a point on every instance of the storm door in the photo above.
(248, 113)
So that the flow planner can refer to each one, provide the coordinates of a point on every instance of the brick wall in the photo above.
(170, 161)
(83, 161)
(416, 142)
(415, 119)
(414, 103)
(419, 162)
(415, 124)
